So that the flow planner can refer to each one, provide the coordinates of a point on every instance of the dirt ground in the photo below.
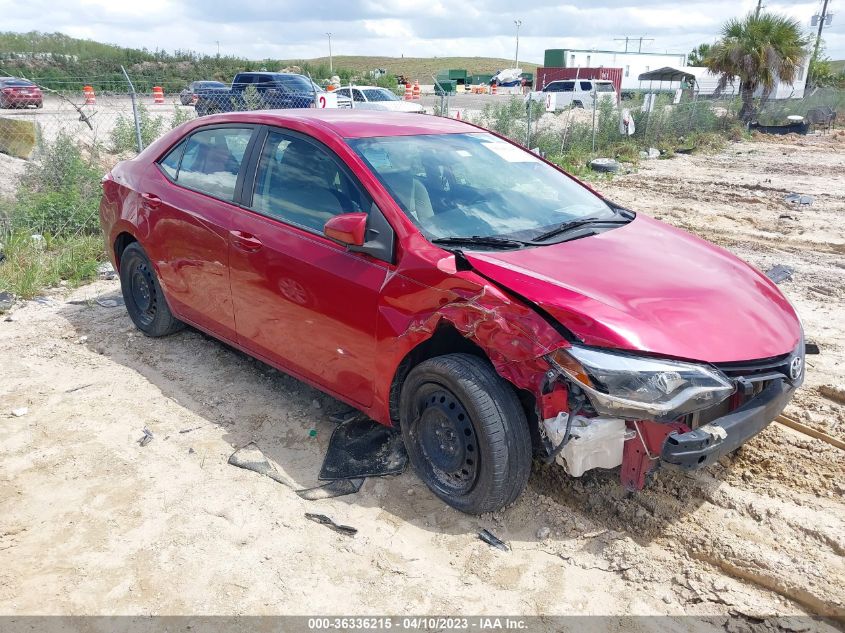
(93, 523)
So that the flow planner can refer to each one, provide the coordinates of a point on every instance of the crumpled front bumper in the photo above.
(707, 444)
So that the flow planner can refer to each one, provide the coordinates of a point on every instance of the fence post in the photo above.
(138, 139)
(528, 127)
(595, 99)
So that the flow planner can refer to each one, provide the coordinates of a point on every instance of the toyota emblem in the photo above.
(796, 367)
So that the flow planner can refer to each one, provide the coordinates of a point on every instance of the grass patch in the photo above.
(34, 264)
(50, 228)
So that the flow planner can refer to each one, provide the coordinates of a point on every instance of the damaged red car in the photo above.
(448, 283)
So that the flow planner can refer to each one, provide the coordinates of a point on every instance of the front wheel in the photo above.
(142, 294)
(465, 433)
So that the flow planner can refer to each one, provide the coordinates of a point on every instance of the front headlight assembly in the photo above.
(625, 386)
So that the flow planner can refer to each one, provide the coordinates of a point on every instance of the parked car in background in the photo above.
(564, 93)
(273, 91)
(186, 97)
(378, 98)
(19, 93)
(457, 287)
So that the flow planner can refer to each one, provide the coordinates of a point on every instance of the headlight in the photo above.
(641, 388)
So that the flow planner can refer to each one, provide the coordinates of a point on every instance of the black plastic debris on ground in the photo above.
(491, 539)
(146, 438)
(798, 198)
(780, 273)
(336, 488)
(322, 519)
(250, 457)
(361, 447)
(811, 349)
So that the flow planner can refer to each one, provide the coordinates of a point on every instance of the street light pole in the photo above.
(331, 66)
(516, 56)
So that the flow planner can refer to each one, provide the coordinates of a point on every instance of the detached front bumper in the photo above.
(707, 444)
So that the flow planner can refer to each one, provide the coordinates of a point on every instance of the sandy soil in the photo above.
(93, 523)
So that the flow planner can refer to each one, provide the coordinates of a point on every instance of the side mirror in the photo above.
(347, 228)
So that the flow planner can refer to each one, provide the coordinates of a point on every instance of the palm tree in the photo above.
(698, 55)
(760, 50)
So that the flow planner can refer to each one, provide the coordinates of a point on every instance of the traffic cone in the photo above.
(88, 93)
(493, 89)
(416, 92)
(158, 95)
(408, 92)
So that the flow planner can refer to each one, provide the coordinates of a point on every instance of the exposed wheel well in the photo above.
(447, 340)
(123, 240)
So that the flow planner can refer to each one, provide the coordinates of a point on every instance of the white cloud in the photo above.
(419, 28)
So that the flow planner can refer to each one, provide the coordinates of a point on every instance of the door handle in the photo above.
(151, 201)
(246, 241)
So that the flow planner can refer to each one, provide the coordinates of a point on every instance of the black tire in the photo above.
(143, 296)
(465, 433)
(605, 165)
(578, 104)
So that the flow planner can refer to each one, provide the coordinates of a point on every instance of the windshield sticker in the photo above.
(509, 152)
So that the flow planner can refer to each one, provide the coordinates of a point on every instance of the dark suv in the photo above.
(273, 91)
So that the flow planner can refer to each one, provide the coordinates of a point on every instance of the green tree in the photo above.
(760, 50)
(698, 55)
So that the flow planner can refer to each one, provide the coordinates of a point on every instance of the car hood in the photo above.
(649, 287)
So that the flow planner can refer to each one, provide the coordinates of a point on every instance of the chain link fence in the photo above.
(55, 148)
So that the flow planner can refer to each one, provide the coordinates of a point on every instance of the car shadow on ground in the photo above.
(253, 402)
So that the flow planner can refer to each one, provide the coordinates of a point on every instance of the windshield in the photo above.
(297, 83)
(458, 185)
(379, 94)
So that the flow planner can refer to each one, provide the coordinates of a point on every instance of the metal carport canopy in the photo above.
(666, 74)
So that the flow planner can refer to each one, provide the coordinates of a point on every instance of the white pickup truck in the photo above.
(579, 93)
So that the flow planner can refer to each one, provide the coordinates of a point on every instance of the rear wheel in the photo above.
(466, 433)
(142, 294)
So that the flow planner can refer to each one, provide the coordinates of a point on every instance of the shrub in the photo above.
(59, 193)
(123, 136)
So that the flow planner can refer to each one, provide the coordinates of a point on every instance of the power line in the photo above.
(634, 39)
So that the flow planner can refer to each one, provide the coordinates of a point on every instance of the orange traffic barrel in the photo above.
(158, 95)
(409, 94)
(88, 93)
(416, 91)
(493, 89)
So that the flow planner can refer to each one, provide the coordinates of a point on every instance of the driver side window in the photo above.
(302, 183)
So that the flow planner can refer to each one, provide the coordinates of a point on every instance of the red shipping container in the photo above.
(547, 75)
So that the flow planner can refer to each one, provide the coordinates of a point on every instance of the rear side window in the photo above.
(301, 183)
(210, 161)
(170, 163)
(586, 86)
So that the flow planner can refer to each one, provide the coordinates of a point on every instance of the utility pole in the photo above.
(822, 19)
(331, 65)
(218, 47)
(518, 23)
(759, 8)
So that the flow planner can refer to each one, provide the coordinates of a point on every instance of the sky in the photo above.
(296, 29)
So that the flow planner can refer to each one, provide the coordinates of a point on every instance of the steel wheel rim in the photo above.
(446, 439)
(143, 292)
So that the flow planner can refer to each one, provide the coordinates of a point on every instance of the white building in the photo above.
(631, 63)
(706, 83)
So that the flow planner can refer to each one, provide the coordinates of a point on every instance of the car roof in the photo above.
(351, 123)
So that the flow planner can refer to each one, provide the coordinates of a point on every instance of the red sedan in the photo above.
(447, 282)
(19, 93)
